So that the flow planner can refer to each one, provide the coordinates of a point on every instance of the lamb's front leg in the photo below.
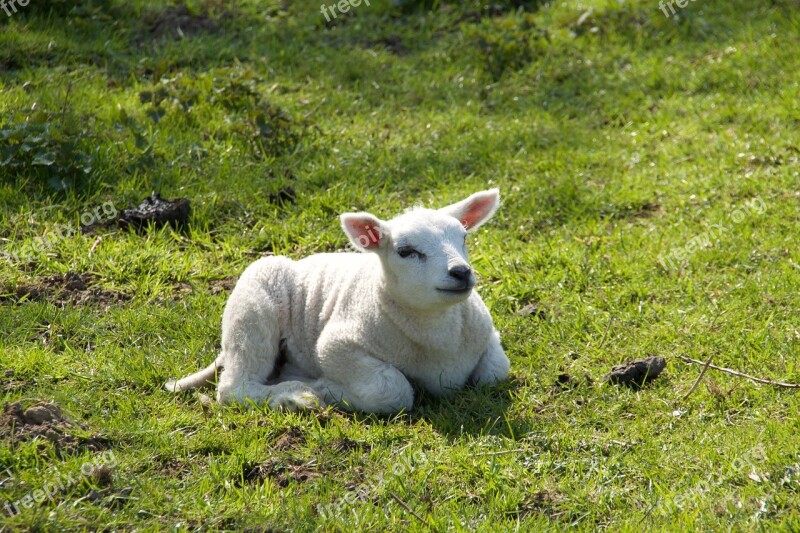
(355, 380)
(493, 365)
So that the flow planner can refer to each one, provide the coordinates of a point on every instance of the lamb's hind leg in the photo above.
(250, 346)
(244, 379)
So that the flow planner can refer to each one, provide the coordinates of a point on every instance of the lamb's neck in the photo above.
(415, 323)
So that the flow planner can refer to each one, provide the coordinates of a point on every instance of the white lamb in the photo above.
(354, 329)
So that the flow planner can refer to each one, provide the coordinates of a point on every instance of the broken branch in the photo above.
(741, 374)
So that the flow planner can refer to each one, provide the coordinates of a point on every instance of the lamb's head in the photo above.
(423, 251)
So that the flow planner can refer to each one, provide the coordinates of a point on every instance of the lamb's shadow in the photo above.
(471, 411)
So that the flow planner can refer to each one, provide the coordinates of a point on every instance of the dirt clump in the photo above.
(636, 374)
(280, 472)
(156, 211)
(47, 421)
(345, 445)
(294, 437)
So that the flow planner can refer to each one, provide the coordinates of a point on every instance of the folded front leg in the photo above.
(493, 365)
(357, 381)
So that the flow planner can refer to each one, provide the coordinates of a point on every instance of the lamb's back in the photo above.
(328, 287)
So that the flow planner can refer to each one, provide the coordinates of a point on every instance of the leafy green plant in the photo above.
(46, 146)
(267, 128)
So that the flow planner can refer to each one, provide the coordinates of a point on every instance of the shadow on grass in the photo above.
(473, 411)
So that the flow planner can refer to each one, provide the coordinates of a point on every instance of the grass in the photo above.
(618, 136)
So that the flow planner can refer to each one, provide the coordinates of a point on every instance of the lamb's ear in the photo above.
(476, 209)
(365, 231)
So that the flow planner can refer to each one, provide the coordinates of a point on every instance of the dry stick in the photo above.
(407, 508)
(96, 242)
(742, 374)
(700, 377)
(707, 363)
(501, 452)
(605, 334)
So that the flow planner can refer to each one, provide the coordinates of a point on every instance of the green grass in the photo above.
(617, 138)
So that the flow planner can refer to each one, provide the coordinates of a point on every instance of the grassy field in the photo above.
(648, 165)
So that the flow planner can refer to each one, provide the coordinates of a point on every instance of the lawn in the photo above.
(648, 167)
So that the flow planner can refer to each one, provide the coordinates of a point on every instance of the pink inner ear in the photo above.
(476, 212)
(365, 232)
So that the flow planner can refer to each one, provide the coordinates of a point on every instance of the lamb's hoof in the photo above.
(297, 400)
(172, 386)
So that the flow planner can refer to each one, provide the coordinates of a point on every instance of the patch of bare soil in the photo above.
(173, 468)
(224, 284)
(177, 22)
(45, 420)
(392, 43)
(62, 289)
(281, 472)
(108, 497)
(648, 209)
(532, 310)
(547, 503)
(9, 382)
(216, 286)
(294, 437)
(345, 445)
(284, 195)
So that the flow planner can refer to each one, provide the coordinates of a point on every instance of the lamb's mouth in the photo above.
(462, 290)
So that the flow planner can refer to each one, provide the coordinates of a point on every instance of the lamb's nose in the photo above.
(461, 273)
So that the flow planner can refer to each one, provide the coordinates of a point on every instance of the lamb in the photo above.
(356, 329)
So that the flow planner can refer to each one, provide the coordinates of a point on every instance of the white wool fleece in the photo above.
(356, 328)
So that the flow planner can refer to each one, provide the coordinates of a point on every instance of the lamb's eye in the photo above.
(407, 251)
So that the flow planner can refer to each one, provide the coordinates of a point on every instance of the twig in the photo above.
(196, 243)
(605, 333)
(700, 377)
(742, 374)
(94, 245)
(501, 452)
(405, 506)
